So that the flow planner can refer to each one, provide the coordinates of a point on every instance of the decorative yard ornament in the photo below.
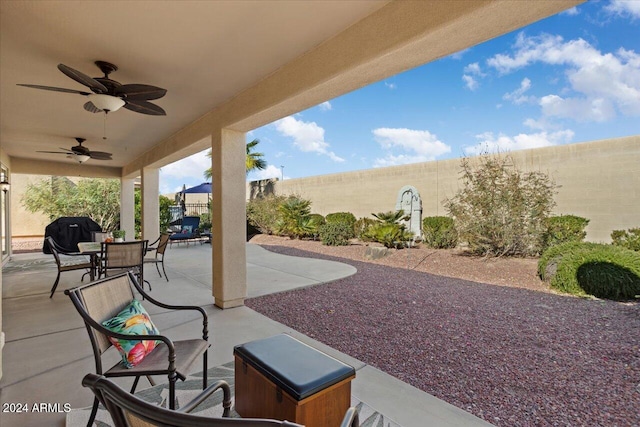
(410, 202)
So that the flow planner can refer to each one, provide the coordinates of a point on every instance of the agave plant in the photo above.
(392, 217)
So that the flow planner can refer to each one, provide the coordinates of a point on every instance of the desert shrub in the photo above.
(562, 229)
(629, 239)
(345, 217)
(605, 271)
(550, 258)
(391, 217)
(315, 221)
(295, 218)
(263, 213)
(335, 233)
(361, 227)
(389, 234)
(439, 232)
(500, 210)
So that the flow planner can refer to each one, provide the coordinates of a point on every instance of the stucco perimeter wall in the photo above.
(598, 180)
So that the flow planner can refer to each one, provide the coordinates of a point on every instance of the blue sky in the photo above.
(570, 78)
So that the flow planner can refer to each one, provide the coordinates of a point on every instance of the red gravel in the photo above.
(509, 355)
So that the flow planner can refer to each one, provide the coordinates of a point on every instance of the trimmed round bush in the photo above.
(604, 271)
(548, 262)
(346, 217)
(439, 232)
(335, 233)
(563, 229)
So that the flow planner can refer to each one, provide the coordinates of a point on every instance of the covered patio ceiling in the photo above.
(249, 61)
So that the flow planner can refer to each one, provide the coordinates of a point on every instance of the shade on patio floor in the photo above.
(47, 349)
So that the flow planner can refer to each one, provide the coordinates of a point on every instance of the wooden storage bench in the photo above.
(282, 378)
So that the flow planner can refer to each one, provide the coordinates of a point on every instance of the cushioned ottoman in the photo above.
(284, 379)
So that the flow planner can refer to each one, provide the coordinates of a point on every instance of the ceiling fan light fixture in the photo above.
(80, 158)
(106, 102)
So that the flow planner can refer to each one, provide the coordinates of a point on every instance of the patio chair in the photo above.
(159, 253)
(123, 256)
(188, 230)
(106, 300)
(66, 264)
(127, 410)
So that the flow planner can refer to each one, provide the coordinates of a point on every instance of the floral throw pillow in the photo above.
(187, 229)
(133, 320)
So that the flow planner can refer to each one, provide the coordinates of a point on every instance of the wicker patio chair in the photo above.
(64, 264)
(127, 410)
(101, 300)
(160, 249)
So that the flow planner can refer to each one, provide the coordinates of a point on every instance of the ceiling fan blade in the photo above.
(82, 78)
(55, 89)
(100, 155)
(144, 107)
(91, 108)
(140, 92)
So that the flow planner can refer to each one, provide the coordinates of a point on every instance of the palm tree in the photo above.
(254, 161)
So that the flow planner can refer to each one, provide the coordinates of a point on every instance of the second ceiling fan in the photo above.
(80, 153)
(109, 95)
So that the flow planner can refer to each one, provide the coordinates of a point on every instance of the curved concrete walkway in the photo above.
(268, 272)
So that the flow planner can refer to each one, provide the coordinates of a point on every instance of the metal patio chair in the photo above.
(103, 299)
(127, 410)
(123, 256)
(160, 249)
(64, 264)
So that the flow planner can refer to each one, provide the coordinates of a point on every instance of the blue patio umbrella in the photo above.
(205, 187)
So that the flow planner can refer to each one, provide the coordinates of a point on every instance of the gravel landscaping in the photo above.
(511, 352)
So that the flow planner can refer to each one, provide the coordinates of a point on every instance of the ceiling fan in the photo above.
(80, 153)
(108, 95)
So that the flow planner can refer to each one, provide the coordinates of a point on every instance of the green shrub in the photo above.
(604, 271)
(548, 262)
(361, 227)
(564, 228)
(439, 232)
(344, 217)
(500, 210)
(629, 239)
(391, 217)
(335, 233)
(295, 220)
(390, 235)
(263, 214)
(315, 221)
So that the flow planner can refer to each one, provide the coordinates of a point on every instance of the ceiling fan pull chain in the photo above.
(104, 129)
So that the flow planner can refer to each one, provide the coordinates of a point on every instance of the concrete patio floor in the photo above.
(47, 350)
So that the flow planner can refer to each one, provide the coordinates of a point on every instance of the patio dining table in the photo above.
(92, 249)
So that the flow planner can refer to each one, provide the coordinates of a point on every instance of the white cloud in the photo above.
(473, 68)
(470, 71)
(307, 136)
(489, 143)
(458, 55)
(189, 167)
(271, 171)
(518, 96)
(471, 83)
(624, 8)
(325, 106)
(420, 146)
(391, 86)
(579, 109)
(571, 12)
(603, 82)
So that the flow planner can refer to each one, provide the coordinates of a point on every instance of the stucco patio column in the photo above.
(127, 207)
(229, 231)
(150, 198)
